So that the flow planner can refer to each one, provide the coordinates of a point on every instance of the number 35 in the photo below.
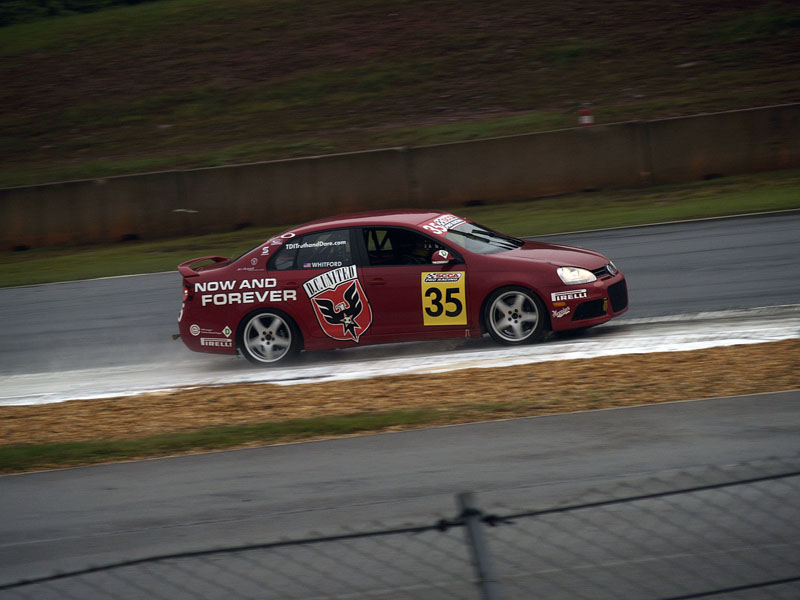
(444, 298)
(436, 308)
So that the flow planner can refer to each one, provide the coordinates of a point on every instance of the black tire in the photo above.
(514, 316)
(268, 337)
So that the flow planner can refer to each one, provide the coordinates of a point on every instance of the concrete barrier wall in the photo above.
(521, 167)
(741, 141)
(526, 166)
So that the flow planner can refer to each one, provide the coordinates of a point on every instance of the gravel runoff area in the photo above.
(462, 396)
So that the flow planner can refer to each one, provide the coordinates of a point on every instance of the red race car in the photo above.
(391, 276)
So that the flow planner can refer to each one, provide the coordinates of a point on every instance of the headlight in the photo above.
(570, 275)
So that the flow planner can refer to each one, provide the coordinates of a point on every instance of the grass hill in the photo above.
(193, 83)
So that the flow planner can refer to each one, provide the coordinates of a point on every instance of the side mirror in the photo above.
(441, 257)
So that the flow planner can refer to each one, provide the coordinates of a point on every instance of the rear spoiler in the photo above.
(186, 269)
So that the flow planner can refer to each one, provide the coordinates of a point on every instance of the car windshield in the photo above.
(477, 238)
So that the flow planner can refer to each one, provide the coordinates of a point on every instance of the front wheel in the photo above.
(268, 337)
(514, 316)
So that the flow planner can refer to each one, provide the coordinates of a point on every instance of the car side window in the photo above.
(321, 250)
(395, 246)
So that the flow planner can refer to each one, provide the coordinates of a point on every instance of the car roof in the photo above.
(409, 217)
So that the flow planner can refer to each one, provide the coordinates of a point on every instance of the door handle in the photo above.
(377, 281)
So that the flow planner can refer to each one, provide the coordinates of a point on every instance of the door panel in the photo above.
(412, 298)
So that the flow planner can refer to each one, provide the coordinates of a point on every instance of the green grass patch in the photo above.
(573, 212)
(69, 32)
(68, 263)
(473, 130)
(620, 208)
(48, 456)
(769, 21)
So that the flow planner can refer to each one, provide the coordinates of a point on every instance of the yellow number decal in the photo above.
(444, 298)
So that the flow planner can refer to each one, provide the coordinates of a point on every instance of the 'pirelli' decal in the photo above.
(216, 342)
(568, 295)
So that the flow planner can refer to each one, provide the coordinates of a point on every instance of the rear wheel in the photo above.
(515, 315)
(268, 337)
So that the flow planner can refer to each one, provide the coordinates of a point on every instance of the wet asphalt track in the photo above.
(73, 518)
(671, 269)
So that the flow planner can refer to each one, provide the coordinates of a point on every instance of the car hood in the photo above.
(561, 256)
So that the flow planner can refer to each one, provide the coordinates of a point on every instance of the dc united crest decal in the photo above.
(339, 301)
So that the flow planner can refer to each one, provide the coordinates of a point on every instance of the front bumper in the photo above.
(588, 305)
